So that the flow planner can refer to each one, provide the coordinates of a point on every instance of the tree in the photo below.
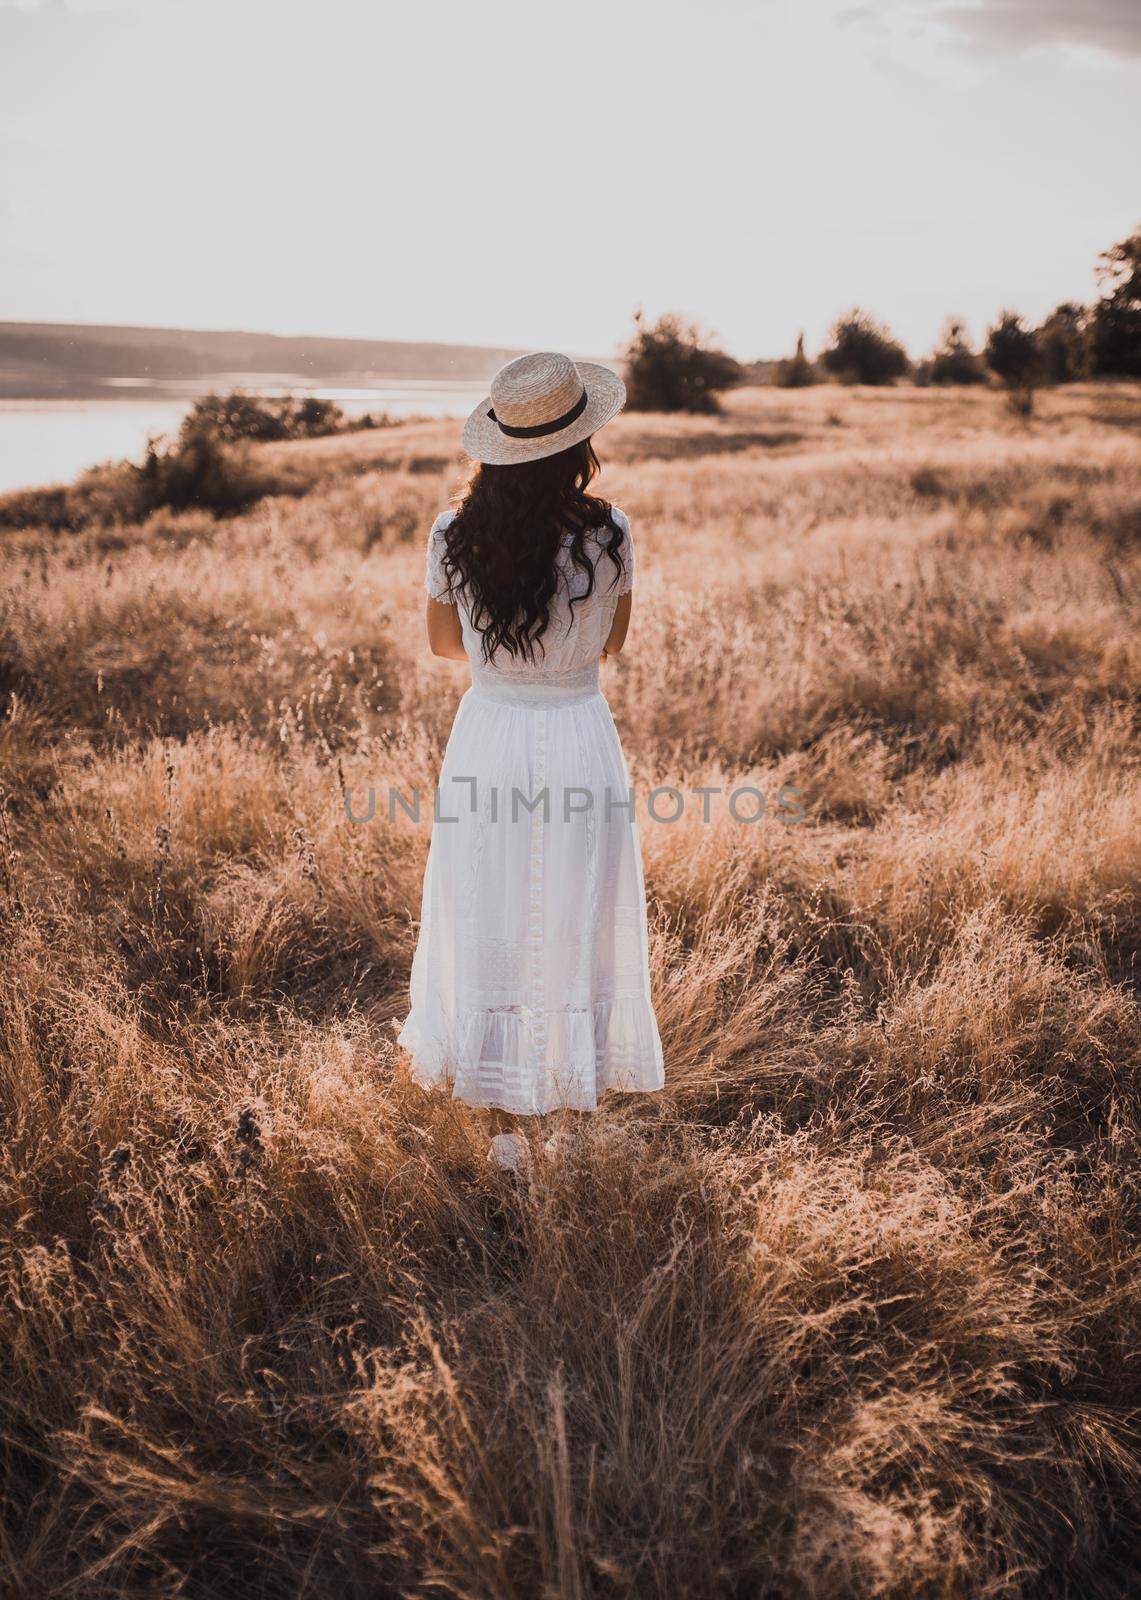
(796, 373)
(1013, 354)
(863, 351)
(1064, 341)
(954, 361)
(669, 368)
(1115, 332)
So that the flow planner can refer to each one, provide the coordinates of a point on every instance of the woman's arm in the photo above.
(445, 635)
(616, 638)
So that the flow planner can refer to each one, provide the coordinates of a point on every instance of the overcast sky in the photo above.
(518, 173)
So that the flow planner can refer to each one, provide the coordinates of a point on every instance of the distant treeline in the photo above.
(1073, 342)
(670, 367)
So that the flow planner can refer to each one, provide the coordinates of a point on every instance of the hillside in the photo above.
(44, 359)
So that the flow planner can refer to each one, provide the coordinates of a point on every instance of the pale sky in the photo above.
(513, 172)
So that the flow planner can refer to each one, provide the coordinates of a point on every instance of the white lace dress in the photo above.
(530, 983)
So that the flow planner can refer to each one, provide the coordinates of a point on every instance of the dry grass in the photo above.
(851, 1310)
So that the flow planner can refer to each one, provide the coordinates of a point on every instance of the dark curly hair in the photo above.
(501, 546)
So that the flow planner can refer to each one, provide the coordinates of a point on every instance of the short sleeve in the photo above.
(626, 581)
(435, 578)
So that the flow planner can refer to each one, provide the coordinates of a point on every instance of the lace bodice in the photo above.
(574, 638)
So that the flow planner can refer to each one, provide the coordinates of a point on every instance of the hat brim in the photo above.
(484, 440)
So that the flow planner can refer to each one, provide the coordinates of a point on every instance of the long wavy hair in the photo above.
(501, 547)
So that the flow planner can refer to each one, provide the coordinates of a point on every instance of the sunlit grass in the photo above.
(851, 1309)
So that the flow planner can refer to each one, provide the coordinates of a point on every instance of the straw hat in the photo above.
(541, 404)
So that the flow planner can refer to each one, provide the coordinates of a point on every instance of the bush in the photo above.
(314, 418)
(798, 372)
(1064, 341)
(206, 468)
(668, 368)
(1014, 355)
(238, 416)
(955, 362)
(199, 471)
(863, 351)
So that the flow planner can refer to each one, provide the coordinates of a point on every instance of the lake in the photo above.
(53, 441)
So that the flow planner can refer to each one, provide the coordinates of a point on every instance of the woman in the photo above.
(530, 983)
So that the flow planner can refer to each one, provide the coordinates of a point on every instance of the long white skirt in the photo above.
(530, 983)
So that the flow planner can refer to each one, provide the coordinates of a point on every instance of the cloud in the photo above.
(1002, 25)
(999, 27)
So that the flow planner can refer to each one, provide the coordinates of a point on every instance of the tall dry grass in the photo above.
(851, 1309)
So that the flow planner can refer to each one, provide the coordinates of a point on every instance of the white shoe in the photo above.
(560, 1144)
(509, 1151)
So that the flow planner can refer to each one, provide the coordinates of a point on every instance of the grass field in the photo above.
(852, 1308)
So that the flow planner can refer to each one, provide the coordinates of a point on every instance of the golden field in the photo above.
(852, 1308)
